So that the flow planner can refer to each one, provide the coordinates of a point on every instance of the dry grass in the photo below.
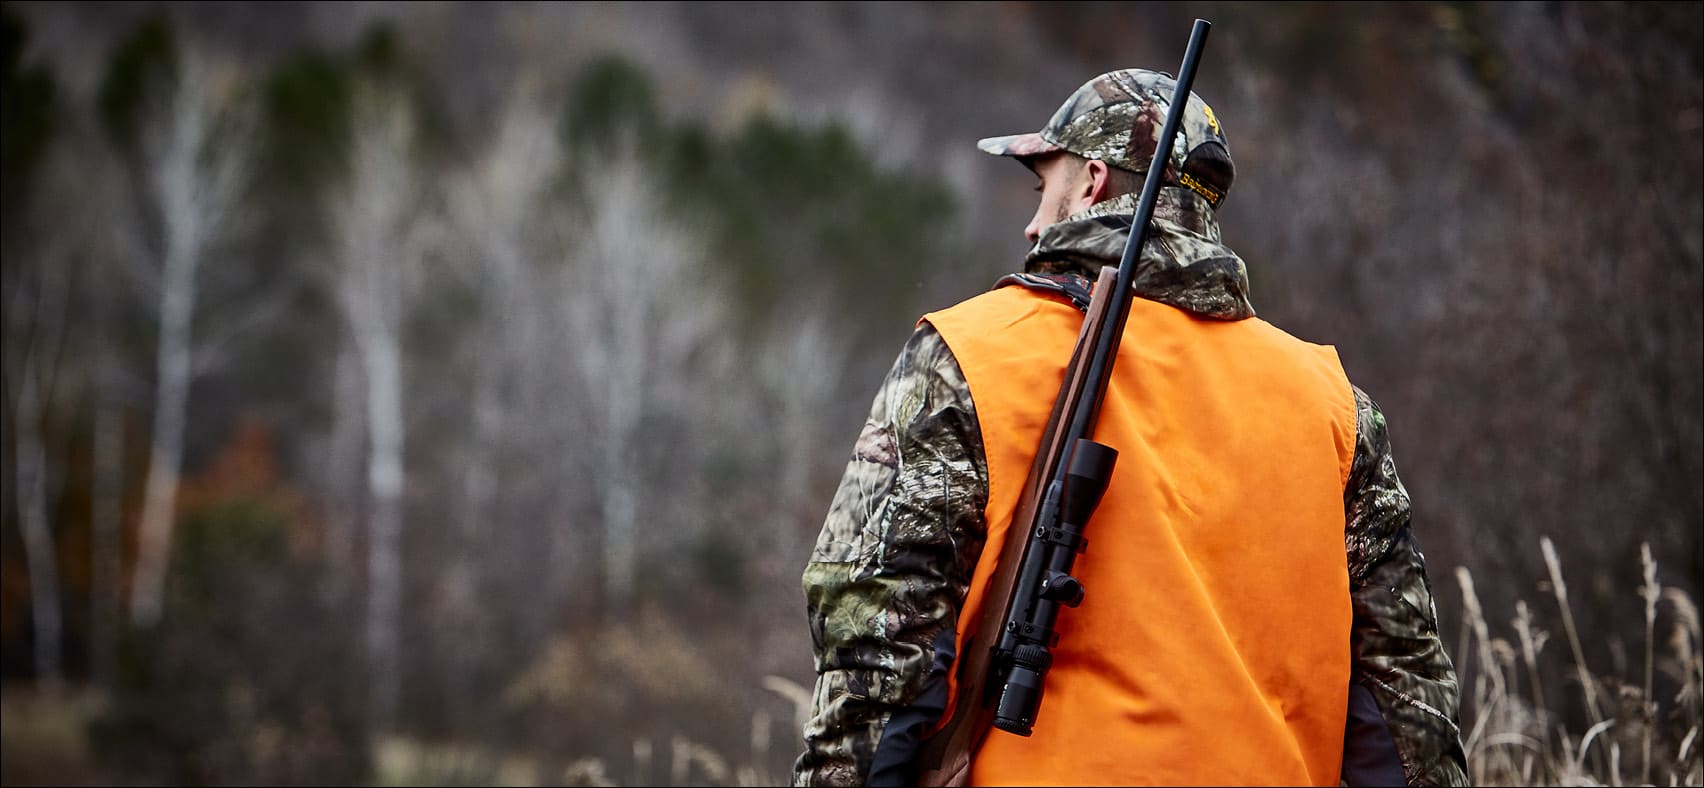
(1632, 735)
(1513, 731)
(1642, 729)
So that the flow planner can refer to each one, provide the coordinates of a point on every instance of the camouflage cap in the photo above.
(1117, 118)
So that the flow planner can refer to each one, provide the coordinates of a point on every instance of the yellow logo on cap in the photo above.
(1212, 122)
(1212, 195)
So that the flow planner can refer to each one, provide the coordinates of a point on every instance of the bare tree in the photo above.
(35, 317)
(495, 205)
(638, 306)
(190, 182)
(53, 362)
(106, 564)
(379, 242)
(116, 388)
(803, 367)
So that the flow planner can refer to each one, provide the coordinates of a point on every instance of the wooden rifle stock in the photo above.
(946, 756)
(1014, 631)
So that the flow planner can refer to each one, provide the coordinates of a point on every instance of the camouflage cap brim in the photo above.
(1020, 146)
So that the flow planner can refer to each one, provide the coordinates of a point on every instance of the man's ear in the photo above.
(1097, 182)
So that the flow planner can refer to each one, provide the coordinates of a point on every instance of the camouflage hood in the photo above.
(1183, 264)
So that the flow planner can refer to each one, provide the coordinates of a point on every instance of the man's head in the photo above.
(1068, 183)
(1101, 141)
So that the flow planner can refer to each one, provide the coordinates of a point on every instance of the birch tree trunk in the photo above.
(173, 362)
(379, 243)
(34, 375)
(382, 361)
(191, 182)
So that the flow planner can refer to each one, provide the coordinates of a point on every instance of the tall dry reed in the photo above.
(1631, 735)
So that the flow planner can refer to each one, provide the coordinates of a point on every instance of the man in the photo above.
(1257, 609)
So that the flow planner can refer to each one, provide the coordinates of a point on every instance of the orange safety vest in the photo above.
(1213, 644)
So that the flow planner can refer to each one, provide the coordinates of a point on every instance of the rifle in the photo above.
(1001, 684)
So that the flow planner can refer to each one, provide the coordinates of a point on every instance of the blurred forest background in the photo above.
(452, 392)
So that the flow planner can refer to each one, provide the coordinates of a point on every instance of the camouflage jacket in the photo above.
(906, 526)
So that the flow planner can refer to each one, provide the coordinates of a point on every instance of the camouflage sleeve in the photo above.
(894, 559)
(1399, 655)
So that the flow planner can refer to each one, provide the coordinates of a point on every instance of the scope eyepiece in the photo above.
(1021, 696)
